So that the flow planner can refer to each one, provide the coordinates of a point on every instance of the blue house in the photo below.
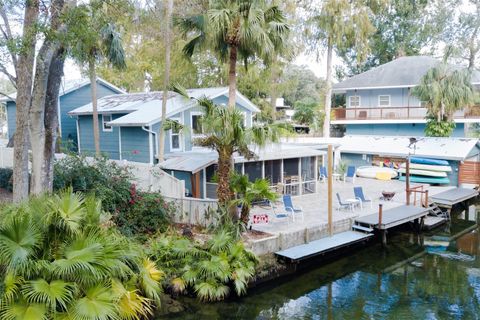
(73, 94)
(380, 101)
(129, 123)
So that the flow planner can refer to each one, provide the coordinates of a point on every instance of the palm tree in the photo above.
(166, 79)
(96, 38)
(248, 192)
(236, 29)
(224, 131)
(57, 262)
(444, 90)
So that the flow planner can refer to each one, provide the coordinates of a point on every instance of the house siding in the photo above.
(109, 144)
(399, 97)
(68, 102)
(396, 129)
(135, 144)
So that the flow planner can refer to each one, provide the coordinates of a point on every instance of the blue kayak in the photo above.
(425, 179)
(435, 162)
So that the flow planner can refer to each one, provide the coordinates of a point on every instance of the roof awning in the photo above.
(189, 162)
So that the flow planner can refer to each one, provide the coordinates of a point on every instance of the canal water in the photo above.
(429, 276)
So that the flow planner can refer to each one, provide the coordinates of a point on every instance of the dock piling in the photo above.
(383, 232)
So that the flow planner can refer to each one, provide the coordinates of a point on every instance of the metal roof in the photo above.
(189, 161)
(457, 149)
(145, 108)
(68, 86)
(399, 73)
(276, 151)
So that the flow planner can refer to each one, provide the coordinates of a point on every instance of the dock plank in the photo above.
(453, 196)
(393, 217)
(323, 245)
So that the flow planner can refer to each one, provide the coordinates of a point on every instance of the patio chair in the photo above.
(350, 174)
(288, 205)
(359, 195)
(282, 215)
(343, 205)
(322, 173)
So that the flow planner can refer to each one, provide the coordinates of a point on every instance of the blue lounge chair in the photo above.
(282, 215)
(350, 174)
(359, 195)
(322, 173)
(343, 205)
(288, 205)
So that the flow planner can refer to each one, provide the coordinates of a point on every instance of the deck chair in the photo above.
(288, 205)
(282, 215)
(350, 174)
(343, 205)
(322, 173)
(359, 195)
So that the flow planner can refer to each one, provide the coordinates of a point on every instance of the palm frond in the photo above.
(97, 303)
(56, 292)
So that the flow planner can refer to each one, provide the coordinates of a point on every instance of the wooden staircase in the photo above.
(436, 211)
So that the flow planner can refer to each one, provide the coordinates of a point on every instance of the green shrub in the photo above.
(210, 270)
(107, 180)
(146, 213)
(6, 181)
(58, 263)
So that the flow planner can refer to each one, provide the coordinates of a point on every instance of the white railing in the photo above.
(194, 211)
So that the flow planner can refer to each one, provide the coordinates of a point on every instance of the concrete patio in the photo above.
(286, 233)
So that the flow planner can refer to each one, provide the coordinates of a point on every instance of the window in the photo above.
(354, 101)
(196, 123)
(106, 118)
(384, 101)
(175, 142)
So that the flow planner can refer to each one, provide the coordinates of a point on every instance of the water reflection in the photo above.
(432, 276)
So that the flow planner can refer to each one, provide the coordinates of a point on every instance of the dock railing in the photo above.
(423, 195)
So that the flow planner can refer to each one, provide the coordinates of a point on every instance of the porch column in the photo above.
(315, 174)
(204, 183)
(300, 178)
(282, 174)
(263, 169)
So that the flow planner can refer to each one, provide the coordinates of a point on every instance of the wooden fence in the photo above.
(469, 172)
(194, 211)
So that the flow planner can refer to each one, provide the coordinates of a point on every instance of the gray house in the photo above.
(73, 94)
(380, 102)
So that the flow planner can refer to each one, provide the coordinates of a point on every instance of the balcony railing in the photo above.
(399, 113)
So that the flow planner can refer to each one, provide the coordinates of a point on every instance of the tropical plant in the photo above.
(224, 131)
(95, 37)
(444, 90)
(58, 263)
(247, 193)
(209, 270)
(236, 29)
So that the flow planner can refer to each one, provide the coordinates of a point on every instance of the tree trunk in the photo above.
(232, 77)
(273, 92)
(37, 115)
(166, 81)
(93, 86)
(224, 193)
(24, 70)
(51, 117)
(328, 91)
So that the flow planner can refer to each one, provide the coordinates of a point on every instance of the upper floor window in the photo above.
(354, 101)
(384, 101)
(106, 118)
(175, 142)
(197, 123)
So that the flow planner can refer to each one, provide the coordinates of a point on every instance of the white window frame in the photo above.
(350, 101)
(195, 113)
(110, 129)
(389, 100)
(179, 136)
(244, 118)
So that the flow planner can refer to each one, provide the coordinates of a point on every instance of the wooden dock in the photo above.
(431, 222)
(393, 217)
(449, 198)
(323, 246)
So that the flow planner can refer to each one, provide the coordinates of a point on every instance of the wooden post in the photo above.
(407, 180)
(426, 199)
(382, 230)
(329, 190)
